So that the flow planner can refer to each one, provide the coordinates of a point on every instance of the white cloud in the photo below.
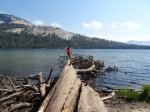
(38, 22)
(114, 25)
(93, 25)
(127, 26)
(56, 25)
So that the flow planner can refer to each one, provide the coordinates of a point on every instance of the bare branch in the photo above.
(6, 90)
(11, 83)
(86, 70)
(107, 97)
(48, 79)
(33, 87)
(17, 106)
(10, 96)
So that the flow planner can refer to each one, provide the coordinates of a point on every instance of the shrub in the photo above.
(145, 95)
(129, 95)
(136, 96)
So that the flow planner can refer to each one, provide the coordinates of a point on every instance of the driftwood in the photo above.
(64, 92)
(16, 106)
(109, 96)
(10, 96)
(112, 91)
(67, 93)
(90, 101)
(86, 70)
(22, 92)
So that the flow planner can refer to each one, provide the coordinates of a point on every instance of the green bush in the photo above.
(145, 95)
(129, 95)
(136, 96)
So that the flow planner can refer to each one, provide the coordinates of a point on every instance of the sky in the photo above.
(117, 20)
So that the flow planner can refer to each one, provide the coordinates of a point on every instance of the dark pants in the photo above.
(69, 54)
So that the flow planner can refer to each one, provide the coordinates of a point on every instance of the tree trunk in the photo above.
(90, 101)
(64, 95)
(63, 90)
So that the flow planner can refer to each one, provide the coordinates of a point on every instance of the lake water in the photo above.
(133, 65)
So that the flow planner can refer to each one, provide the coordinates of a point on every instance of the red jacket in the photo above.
(68, 50)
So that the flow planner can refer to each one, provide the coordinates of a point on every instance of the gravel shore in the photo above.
(116, 104)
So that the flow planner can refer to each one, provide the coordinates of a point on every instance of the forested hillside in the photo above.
(18, 33)
(25, 40)
(80, 41)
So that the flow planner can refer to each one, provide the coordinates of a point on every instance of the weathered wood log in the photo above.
(49, 96)
(63, 90)
(72, 98)
(64, 95)
(90, 101)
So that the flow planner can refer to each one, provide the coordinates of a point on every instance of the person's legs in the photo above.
(70, 58)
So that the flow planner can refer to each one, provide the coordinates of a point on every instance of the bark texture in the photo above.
(90, 101)
(69, 91)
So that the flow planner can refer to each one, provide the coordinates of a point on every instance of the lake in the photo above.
(133, 65)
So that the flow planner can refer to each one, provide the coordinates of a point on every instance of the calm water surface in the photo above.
(133, 65)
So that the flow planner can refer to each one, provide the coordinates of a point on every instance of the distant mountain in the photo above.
(10, 23)
(138, 42)
(10, 19)
(19, 33)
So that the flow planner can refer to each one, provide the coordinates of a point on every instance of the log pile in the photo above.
(21, 94)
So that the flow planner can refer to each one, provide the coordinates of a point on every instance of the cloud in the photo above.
(38, 22)
(56, 25)
(93, 25)
(114, 25)
(127, 26)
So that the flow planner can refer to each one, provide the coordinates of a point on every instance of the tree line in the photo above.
(52, 41)
(81, 41)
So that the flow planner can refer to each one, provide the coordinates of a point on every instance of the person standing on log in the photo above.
(69, 53)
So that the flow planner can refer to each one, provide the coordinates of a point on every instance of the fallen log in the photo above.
(65, 95)
(72, 98)
(90, 101)
(63, 90)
